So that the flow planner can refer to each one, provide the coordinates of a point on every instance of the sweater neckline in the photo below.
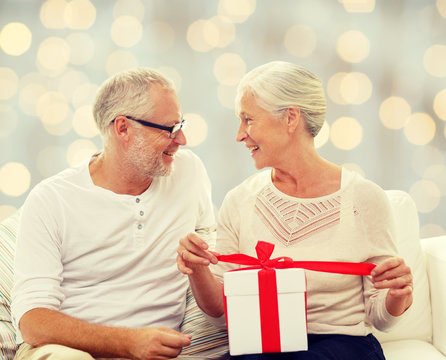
(346, 178)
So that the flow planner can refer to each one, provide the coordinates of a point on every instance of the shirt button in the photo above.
(137, 200)
(139, 226)
(141, 213)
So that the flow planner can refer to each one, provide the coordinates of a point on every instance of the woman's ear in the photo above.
(121, 128)
(293, 119)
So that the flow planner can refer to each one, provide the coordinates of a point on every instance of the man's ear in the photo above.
(293, 119)
(121, 128)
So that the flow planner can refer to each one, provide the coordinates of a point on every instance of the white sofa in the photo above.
(421, 334)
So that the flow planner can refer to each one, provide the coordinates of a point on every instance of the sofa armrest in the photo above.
(435, 253)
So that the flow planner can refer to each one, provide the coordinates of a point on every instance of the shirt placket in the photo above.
(139, 222)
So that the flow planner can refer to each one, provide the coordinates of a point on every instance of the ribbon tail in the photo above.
(240, 259)
(332, 267)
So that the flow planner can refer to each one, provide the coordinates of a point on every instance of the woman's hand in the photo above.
(193, 253)
(395, 275)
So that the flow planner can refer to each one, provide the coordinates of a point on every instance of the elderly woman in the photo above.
(311, 209)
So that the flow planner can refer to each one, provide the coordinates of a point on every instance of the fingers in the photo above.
(193, 251)
(175, 339)
(172, 342)
(158, 343)
(395, 275)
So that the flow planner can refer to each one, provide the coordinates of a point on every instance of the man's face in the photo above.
(151, 150)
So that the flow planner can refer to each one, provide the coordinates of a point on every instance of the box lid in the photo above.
(245, 282)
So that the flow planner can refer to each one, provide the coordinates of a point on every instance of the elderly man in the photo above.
(95, 265)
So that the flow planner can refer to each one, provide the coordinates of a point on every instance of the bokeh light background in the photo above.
(383, 65)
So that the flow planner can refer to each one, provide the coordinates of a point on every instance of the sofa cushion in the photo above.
(416, 323)
(8, 231)
(435, 251)
(411, 349)
(207, 341)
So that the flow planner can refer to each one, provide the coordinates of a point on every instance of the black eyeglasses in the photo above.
(173, 130)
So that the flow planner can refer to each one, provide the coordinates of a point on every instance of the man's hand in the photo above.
(193, 253)
(395, 275)
(157, 343)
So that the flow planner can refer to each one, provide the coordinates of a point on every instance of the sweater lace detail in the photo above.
(291, 221)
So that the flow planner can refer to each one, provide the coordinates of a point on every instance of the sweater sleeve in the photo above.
(379, 231)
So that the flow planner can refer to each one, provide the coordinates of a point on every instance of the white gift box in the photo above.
(241, 290)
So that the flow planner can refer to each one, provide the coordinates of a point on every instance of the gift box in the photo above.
(265, 303)
(266, 310)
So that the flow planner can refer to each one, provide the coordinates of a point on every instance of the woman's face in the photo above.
(264, 136)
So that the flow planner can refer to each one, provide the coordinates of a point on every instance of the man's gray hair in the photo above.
(127, 93)
(279, 85)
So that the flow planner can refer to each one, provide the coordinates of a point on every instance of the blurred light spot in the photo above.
(15, 38)
(425, 156)
(202, 35)
(394, 112)
(353, 46)
(226, 30)
(441, 7)
(81, 48)
(354, 167)
(83, 122)
(420, 129)
(356, 88)
(50, 160)
(435, 60)
(79, 151)
(6, 211)
(426, 195)
(15, 179)
(33, 78)
(440, 104)
(237, 11)
(8, 120)
(60, 128)
(172, 74)
(10, 83)
(80, 14)
(323, 136)
(226, 95)
(133, 8)
(53, 56)
(52, 107)
(358, 5)
(196, 130)
(300, 40)
(159, 36)
(70, 81)
(120, 60)
(334, 86)
(84, 94)
(346, 133)
(52, 14)
(126, 31)
(229, 68)
(431, 230)
(437, 174)
(29, 95)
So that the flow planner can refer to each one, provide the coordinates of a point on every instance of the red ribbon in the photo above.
(269, 311)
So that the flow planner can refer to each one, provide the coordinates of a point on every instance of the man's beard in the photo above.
(145, 161)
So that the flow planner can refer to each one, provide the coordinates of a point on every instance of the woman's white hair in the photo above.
(127, 93)
(279, 85)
